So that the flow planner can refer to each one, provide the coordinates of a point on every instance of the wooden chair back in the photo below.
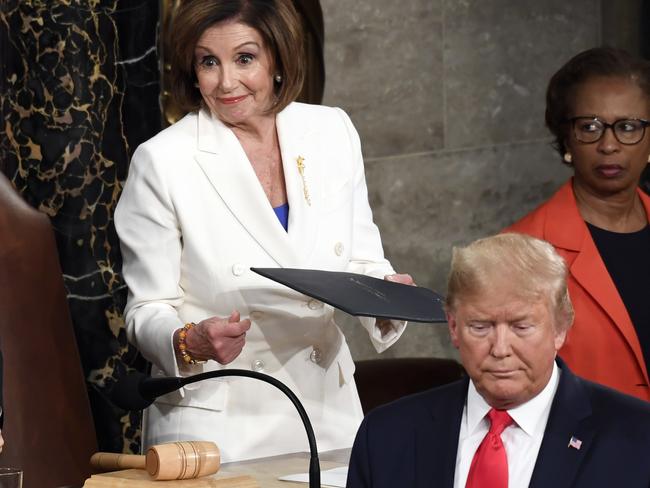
(48, 427)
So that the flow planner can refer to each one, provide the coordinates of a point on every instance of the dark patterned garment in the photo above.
(79, 87)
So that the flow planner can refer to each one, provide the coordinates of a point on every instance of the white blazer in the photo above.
(192, 219)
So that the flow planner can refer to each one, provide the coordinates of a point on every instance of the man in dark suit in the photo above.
(521, 418)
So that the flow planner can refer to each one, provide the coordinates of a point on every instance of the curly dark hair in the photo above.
(596, 62)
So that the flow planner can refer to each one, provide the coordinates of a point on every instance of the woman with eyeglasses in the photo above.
(597, 108)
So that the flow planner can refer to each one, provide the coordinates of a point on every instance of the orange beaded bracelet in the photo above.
(182, 346)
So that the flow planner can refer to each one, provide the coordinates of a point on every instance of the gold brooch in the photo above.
(300, 161)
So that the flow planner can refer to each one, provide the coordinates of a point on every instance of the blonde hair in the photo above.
(530, 265)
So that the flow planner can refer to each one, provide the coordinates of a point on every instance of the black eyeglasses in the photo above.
(591, 129)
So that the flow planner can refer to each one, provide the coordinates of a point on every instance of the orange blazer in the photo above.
(602, 345)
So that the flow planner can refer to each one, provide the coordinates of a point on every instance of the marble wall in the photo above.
(448, 97)
(79, 91)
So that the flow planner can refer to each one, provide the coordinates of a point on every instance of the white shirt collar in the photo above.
(530, 416)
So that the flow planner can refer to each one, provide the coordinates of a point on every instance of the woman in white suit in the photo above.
(248, 178)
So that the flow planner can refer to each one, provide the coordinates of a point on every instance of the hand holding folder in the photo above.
(363, 295)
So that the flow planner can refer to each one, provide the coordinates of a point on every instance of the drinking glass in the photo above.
(11, 478)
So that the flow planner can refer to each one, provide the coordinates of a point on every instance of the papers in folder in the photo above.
(362, 295)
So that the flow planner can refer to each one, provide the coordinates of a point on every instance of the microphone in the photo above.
(136, 391)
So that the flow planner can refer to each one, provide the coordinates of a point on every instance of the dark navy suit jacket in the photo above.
(413, 442)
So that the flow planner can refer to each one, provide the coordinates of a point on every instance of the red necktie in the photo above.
(489, 467)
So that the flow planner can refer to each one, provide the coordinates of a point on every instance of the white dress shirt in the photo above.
(522, 439)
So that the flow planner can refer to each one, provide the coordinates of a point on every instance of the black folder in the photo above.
(363, 295)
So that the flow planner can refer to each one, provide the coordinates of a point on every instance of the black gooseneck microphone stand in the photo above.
(137, 391)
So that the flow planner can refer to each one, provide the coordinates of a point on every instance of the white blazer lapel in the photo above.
(302, 177)
(226, 165)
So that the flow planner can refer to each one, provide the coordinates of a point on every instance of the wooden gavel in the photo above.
(173, 461)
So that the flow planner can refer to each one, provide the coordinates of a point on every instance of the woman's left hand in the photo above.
(385, 325)
(403, 278)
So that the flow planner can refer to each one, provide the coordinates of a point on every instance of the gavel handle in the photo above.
(110, 461)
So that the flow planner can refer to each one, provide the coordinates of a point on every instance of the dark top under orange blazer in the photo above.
(603, 345)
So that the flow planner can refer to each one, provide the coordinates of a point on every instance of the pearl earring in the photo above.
(567, 157)
(278, 78)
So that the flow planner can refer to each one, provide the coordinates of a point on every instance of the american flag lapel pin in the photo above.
(575, 443)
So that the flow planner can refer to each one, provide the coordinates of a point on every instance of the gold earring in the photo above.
(568, 158)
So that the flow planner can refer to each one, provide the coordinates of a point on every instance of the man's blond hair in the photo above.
(529, 265)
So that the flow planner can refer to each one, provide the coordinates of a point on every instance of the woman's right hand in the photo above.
(218, 338)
